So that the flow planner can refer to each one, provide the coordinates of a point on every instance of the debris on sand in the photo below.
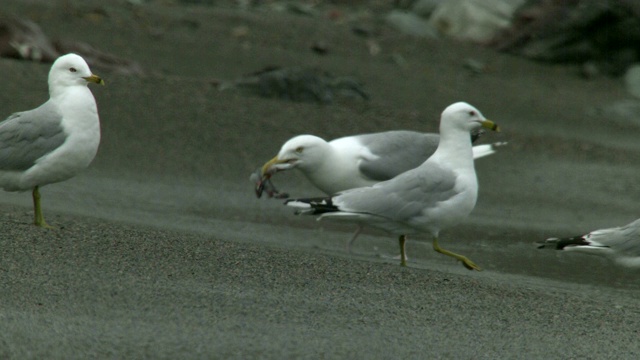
(24, 39)
(99, 58)
(298, 84)
(602, 33)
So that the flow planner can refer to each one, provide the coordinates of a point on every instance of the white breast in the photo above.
(82, 127)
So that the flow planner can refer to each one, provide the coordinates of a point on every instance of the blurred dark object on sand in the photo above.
(298, 84)
(24, 39)
(604, 33)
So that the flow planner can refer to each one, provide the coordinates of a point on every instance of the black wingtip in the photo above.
(561, 243)
(318, 205)
(312, 201)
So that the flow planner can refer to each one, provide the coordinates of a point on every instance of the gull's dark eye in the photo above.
(472, 113)
(299, 149)
(72, 69)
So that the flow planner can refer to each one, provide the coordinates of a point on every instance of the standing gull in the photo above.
(56, 140)
(436, 195)
(620, 244)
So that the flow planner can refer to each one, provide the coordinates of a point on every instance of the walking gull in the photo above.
(439, 193)
(354, 161)
(56, 140)
(620, 244)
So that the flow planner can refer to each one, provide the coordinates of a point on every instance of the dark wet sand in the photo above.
(164, 252)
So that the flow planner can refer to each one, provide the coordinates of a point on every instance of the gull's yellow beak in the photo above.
(488, 124)
(270, 163)
(94, 79)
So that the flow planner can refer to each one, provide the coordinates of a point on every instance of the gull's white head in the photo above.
(465, 117)
(70, 70)
(301, 151)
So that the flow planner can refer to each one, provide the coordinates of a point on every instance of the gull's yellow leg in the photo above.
(38, 217)
(466, 262)
(403, 253)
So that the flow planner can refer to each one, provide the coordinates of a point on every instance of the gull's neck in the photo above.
(324, 178)
(57, 91)
(73, 97)
(78, 109)
(454, 149)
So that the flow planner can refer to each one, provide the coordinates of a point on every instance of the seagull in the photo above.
(360, 160)
(438, 194)
(354, 161)
(56, 140)
(620, 244)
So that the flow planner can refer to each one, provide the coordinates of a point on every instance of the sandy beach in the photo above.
(164, 251)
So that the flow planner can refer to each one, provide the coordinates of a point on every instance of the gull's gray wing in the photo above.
(27, 136)
(396, 152)
(403, 197)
